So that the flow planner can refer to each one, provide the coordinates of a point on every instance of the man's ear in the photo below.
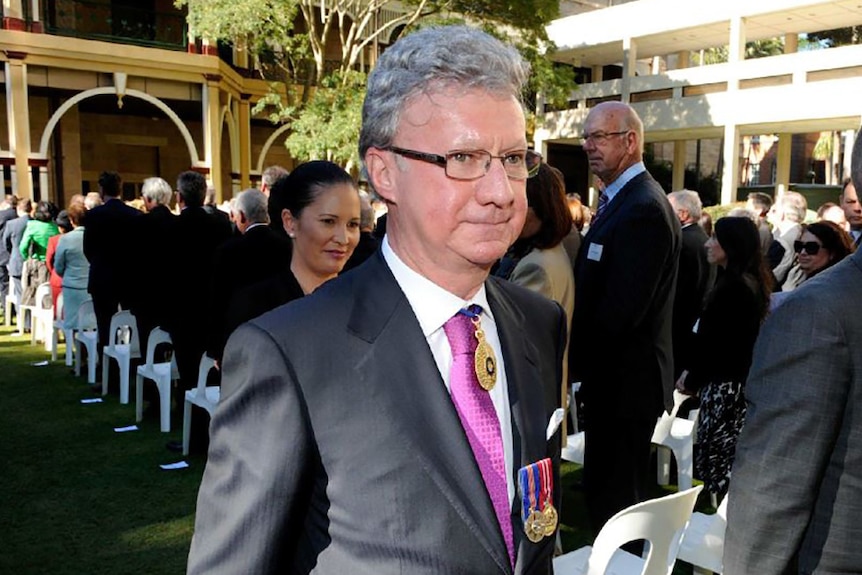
(382, 173)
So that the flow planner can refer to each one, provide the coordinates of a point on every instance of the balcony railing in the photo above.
(115, 23)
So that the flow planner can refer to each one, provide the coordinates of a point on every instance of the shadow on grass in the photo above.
(76, 496)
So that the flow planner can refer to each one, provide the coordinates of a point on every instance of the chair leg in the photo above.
(139, 398)
(91, 365)
(165, 408)
(54, 340)
(684, 467)
(105, 361)
(124, 380)
(77, 358)
(662, 464)
(69, 336)
(187, 425)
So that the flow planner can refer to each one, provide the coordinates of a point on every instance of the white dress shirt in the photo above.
(433, 306)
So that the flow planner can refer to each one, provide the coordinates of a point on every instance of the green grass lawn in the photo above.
(78, 498)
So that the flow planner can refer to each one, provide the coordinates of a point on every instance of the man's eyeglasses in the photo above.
(599, 138)
(811, 248)
(473, 164)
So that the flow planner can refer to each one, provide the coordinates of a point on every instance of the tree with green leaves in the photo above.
(315, 54)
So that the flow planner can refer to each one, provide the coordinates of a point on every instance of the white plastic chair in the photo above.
(202, 396)
(13, 300)
(674, 434)
(575, 444)
(661, 522)
(703, 543)
(24, 314)
(162, 374)
(60, 326)
(42, 316)
(123, 346)
(87, 336)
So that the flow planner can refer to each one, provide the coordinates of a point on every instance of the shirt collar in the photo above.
(623, 179)
(432, 305)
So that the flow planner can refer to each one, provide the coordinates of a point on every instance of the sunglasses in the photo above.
(811, 248)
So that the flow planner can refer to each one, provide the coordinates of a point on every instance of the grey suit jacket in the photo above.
(796, 488)
(336, 447)
(11, 238)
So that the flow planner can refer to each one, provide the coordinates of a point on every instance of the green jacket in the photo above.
(37, 233)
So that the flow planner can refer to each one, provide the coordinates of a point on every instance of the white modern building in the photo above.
(649, 53)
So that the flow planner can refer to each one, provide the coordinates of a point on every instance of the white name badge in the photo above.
(594, 252)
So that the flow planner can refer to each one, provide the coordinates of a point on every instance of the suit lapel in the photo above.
(526, 400)
(428, 422)
(614, 206)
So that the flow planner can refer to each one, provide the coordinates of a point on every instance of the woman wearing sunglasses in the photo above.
(821, 245)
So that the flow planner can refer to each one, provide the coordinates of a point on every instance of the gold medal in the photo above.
(551, 519)
(485, 362)
(534, 526)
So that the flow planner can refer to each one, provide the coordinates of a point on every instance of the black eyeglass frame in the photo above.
(443, 161)
(811, 248)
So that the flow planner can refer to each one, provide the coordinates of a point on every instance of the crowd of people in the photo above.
(346, 413)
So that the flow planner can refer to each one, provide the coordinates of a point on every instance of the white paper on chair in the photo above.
(125, 429)
(177, 465)
(92, 400)
(554, 423)
(39, 363)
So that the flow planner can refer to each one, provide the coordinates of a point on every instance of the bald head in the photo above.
(613, 139)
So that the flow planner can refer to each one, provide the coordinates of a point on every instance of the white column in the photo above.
(782, 159)
(678, 181)
(630, 57)
(730, 173)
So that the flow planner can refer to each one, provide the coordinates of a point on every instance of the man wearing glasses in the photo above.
(621, 328)
(390, 437)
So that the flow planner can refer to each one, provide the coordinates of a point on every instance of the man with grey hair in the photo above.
(269, 176)
(787, 216)
(257, 254)
(694, 278)
(371, 443)
(93, 200)
(152, 247)
(796, 490)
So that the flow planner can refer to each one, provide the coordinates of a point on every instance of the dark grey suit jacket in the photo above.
(12, 235)
(796, 488)
(622, 348)
(336, 447)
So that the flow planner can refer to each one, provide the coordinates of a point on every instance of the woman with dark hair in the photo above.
(318, 203)
(538, 259)
(723, 345)
(822, 245)
(65, 226)
(34, 249)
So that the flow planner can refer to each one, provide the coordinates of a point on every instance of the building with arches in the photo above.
(123, 85)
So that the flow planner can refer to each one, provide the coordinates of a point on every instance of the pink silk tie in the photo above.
(476, 410)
